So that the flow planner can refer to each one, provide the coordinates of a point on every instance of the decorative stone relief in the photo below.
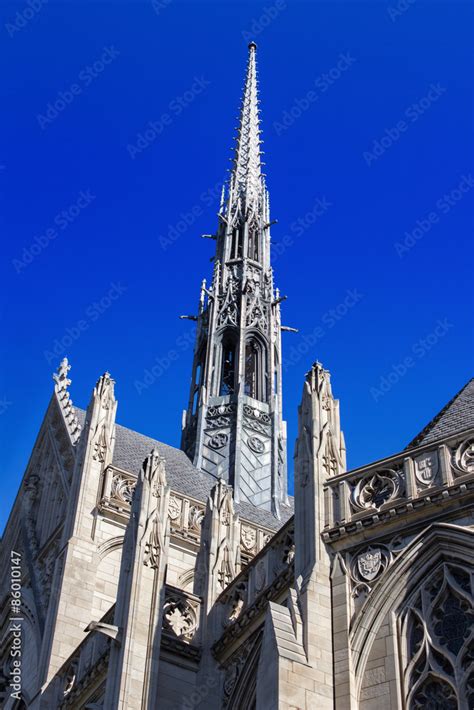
(179, 616)
(426, 468)
(260, 576)
(463, 460)
(174, 508)
(218, 441)
(122, 487)
(248, 538)
(152, 547)
(373, 492)
(100, 446)
(256, 444)
(195, 518)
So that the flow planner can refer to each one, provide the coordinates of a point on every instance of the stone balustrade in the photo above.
(399, 484)
(265, 578)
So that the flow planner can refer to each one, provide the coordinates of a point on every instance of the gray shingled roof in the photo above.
(131, 448)
(457, 415)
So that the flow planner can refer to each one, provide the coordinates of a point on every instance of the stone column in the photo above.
(320, 453)
(72, 594)
(132, 677)
(217, 564)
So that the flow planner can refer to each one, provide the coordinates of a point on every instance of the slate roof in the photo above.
(457, 415)
(131, 448)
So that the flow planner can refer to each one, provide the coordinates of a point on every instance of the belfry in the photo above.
(233, 427)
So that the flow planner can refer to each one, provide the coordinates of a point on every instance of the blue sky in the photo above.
(116, 128)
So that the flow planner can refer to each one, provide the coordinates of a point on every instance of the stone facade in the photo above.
(137, 575)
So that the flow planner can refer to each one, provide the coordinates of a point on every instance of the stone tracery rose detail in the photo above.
(179, 617)
(256, 444)
(374, 492)
(218, 441)
(464, 457)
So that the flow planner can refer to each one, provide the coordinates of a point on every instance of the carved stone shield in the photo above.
(369, 563)
(426, 468)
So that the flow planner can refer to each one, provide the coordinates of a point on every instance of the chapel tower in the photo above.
(233, 426)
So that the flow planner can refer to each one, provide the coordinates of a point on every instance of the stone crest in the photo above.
(369, 563)
(426, 468)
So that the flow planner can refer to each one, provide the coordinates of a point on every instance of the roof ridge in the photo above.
(432, 423)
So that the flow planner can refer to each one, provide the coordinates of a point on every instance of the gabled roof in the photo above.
(457, 415)
(131, 449)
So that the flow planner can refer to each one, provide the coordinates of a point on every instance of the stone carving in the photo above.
(179, 616)
(256, 444)
(248, 538)
(234, 668)
(195, 518)
(100, 446)
(122, 487)
(218, 441)
(464, 458)
(374, 492)
(369, 563)
(62, 383)
(152, 547)
(70, 678)
(426, 468)
(260, 576)
(174, 508)
(236, 603)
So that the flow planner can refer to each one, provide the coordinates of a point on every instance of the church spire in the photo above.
(246, 182)
(233, 427)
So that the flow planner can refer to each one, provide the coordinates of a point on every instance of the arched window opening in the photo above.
(255, 382)
(227, 369)
(251, 369)
(237, 243)
(197, 386)
(253, 245)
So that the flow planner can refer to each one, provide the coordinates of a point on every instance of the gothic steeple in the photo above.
(233, 426)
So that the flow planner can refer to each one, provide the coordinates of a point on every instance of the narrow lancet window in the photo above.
(228, 370)
(251, 369)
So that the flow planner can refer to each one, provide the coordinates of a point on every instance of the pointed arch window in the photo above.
(253, 242)
(438, 633)
(237, 243)
(227, 383)
(255, 375)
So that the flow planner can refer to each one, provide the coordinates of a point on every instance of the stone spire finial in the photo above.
(246, 182)
(62, 383)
